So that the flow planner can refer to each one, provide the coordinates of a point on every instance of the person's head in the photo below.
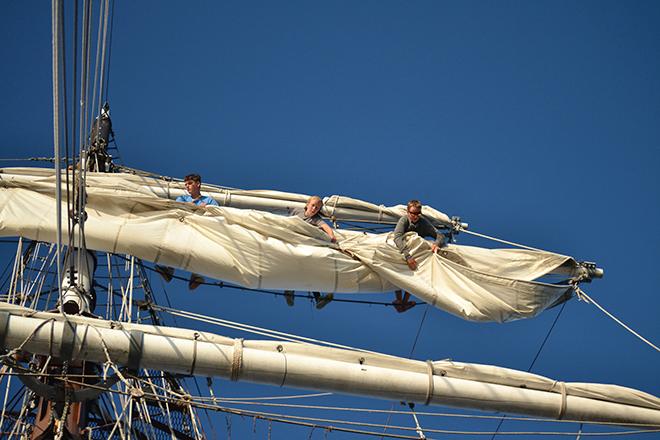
(193, 183)
(414, 210)
(313, 206)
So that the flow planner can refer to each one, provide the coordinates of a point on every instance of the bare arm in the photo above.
(328, 230)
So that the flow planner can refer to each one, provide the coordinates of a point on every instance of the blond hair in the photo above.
(312, 198)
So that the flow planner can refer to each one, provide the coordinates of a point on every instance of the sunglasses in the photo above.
(414, 213)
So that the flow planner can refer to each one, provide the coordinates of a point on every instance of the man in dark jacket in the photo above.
(413, 222)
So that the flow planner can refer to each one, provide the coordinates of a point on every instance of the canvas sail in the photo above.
(262, 250)
(340, 208)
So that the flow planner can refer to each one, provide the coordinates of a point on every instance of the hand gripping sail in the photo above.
(261, 250)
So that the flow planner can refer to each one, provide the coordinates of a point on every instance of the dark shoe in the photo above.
(195, 281)
(289, 296)
(324, 300)
(165, 271)
(406, 306)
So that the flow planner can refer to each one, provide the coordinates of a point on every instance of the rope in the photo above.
(65, 113)
(222, 284)
(426, 414)
(56, 6)
(412, 349)
(96, 61)
(285, 418)
(562, 406)
(254, 329)
(582, 295)
(297, 420)
(86, 60)
(106, 14)
(538, 353)
(419, 331)
(112, 23)
(251, 399)
(511, 243)
(110, 362)
(30, 336)
(429, 392)
(547, 336)
(74, 93)
(237, 360)
(83, 76)
(27, 159)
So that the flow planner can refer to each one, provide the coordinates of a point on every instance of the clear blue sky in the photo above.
(537, 122)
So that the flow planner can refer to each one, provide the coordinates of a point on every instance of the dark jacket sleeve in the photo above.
(399, 230)
(428, 230)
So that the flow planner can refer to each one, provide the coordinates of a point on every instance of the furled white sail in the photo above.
(339, 208)
(306, 365)
(259, 249)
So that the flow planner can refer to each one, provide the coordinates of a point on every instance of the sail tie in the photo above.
(194, 356)
(335, 200)
(237, 360)
(4, 322)
(430, 389)
(562, 407)
(280, 348)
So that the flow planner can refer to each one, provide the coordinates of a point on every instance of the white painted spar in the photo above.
(321, 368)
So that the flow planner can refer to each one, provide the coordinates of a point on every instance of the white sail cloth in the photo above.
(266, 251)
(339, 208)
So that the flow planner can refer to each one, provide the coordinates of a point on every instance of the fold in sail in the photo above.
(134, 215)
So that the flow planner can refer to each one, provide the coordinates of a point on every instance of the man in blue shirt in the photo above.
(193, 184)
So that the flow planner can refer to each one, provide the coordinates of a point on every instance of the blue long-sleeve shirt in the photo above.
(202, 199)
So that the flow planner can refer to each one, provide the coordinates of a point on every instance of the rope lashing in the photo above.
(430, 389)
(237, 360)
(194, 356)
(562, 406)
